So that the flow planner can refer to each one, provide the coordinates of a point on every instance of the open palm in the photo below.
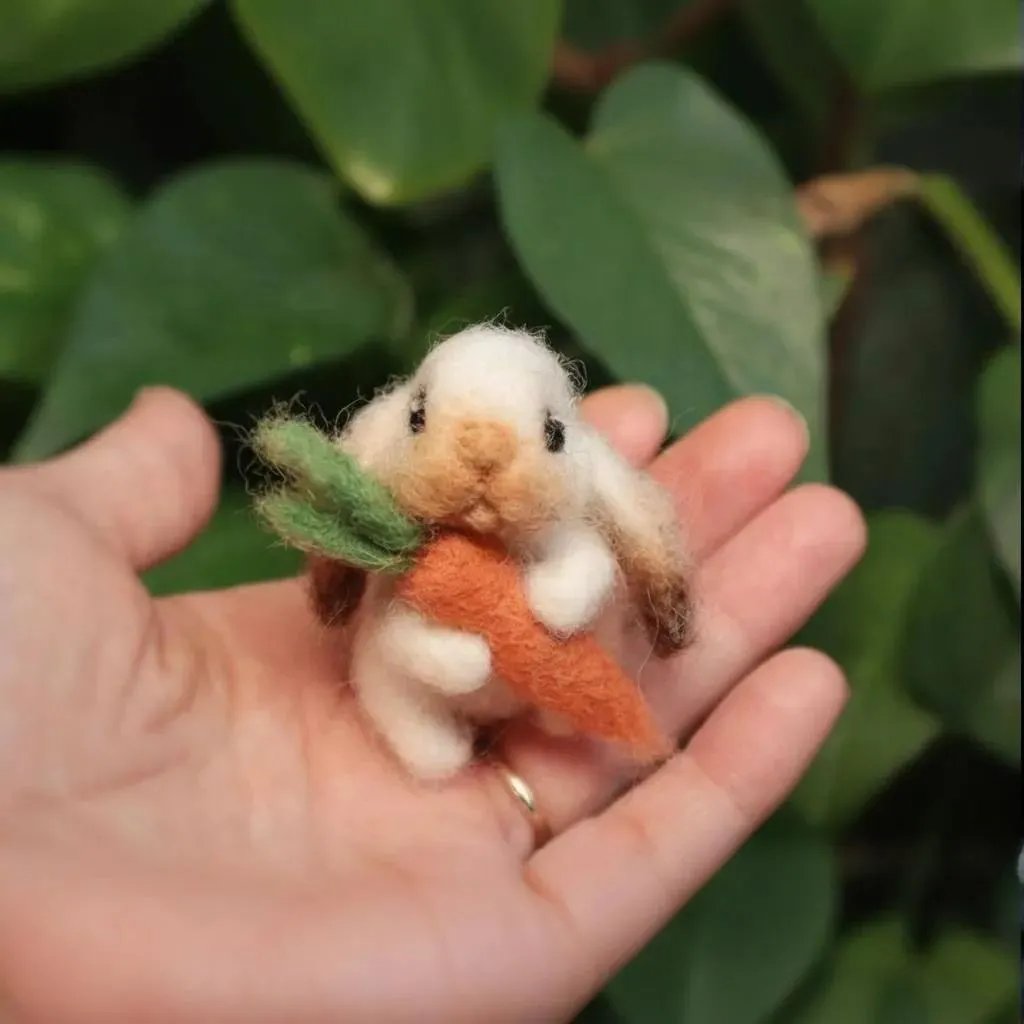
(195, 825)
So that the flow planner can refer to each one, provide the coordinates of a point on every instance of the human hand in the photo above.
(195, 825)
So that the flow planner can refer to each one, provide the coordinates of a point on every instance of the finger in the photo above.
(147, 483)
(613, 880)
(633, 417)
(731, 466)
(754, 593)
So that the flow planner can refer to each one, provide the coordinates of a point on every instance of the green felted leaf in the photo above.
(231, 275)
(876, 977)
(299, 523)
(233, 549)
(331, 479)
(999, 457)
(862, 627)
(887, 43)
(961, 651)
(55, 220)
(404, 96)
(764, 918)
(669, 241)
(43, 41)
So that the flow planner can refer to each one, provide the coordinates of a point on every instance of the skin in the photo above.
(194, 824)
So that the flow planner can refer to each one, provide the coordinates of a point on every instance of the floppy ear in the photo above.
(336, 588)
(638, 518)
(378, 427)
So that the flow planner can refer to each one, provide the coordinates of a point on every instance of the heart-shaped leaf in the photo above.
(404, 96)
(861, 626)
(961, 651)
(55, 220)
(764, 918)
(230, 276)
(875, 976)
(669, 241)
(887, 43)
(46, 42)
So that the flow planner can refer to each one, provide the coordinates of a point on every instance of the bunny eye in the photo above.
(554, 434)
(418, 413)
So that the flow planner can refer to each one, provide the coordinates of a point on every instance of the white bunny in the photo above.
(485, 436)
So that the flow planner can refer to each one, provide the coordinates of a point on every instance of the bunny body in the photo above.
(485, 437)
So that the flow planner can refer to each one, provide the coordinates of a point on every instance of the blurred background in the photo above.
(266, 200)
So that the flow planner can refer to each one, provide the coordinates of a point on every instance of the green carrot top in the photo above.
(328, 505)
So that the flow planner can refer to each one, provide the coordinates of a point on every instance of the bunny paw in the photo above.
(465, 663)
(563, 602)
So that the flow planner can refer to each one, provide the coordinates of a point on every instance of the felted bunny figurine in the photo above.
(485, 437)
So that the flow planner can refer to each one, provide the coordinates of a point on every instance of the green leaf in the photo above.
(859, 984)
(232, 549)
(887, 43)
(835, 286)
(999, 457)
(230, 276)
(875, 977)
(967, 980)
(669, 241)
(919, 334)
(789, 40)
(404, 96)
(43, 41)
(55, 220)
(962, 646)
(977, 241)
(861, 626)
(763, 919)
(595, 24)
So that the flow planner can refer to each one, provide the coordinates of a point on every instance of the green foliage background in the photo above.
(257, 199)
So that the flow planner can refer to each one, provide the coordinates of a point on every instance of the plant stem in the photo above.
(980, 246)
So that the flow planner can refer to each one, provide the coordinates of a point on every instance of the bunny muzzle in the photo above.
(476, 471)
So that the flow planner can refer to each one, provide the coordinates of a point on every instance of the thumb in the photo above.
(148, 483)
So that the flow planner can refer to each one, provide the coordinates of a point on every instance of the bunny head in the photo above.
(480, 437)
(485, 436)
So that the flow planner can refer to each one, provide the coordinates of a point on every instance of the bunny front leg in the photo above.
(450, 661)
(570, 579)
(417, 723)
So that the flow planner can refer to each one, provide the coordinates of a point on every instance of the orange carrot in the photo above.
(470, 583)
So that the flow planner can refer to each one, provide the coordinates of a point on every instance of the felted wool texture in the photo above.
(335, 589)
(307, 528)
(470, 583)
(639, 519)
(330, 478)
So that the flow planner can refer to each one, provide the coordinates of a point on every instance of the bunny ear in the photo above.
(335, 589)
(373, 431)
(639, 521)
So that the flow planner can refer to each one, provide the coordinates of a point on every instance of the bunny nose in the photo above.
(484, 445)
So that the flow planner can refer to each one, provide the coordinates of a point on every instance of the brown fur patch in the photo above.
(659, 583)
(335, 589)
(667, 611)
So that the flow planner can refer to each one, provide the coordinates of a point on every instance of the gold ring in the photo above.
(524, 796)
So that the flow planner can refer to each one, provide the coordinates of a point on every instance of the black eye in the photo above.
(554, 434)
(418, 413)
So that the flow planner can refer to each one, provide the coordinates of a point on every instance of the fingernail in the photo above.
(653, 393)
(791, 409)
